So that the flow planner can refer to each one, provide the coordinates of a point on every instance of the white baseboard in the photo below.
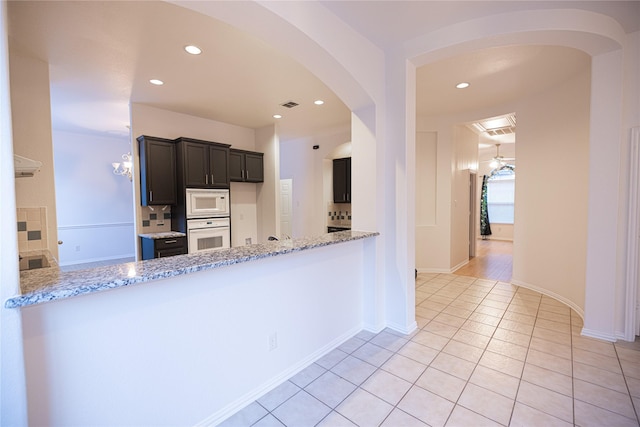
(553, 295)
(235, 406)
(595, 334)
(500, 239)
(443, 270)
(434, 270)
(404, 329)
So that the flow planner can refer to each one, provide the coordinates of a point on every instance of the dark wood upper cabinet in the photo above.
(157, 171)
(246, 166)
(202, 164)
(342, 180)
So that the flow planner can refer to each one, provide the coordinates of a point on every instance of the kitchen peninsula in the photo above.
(49, 284)
(196, 338)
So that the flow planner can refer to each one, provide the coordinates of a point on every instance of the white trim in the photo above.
(235, 406)
(99, 259)
(86, 226)
(460, 265)
(501, 239)
(443, 270)
(553, 295)
(633, 238)
(595, 334)
(404, 329)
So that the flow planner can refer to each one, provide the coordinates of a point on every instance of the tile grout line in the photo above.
(524, 364)
(626, 383)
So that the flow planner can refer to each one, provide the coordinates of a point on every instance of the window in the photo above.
(500, 197)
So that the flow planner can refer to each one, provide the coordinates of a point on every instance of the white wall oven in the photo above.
(208, 219)
(207, 203)
(207, 234)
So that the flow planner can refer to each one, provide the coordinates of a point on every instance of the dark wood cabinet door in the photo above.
(158, 171)
(254, 167)
(218, 167)
(236, 166)
(159, 248)
(246, 166)
(196, 164)
(342, 180)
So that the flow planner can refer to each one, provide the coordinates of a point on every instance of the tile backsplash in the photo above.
(155, 219)
(32, 229)
(339, 214)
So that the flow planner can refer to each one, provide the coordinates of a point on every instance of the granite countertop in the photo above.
(163, 235)
(47, 259)
(49, 284)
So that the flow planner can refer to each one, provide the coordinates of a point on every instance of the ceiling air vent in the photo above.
(290, 104)
(503, 125)
(501, 131)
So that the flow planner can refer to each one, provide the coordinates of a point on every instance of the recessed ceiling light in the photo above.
(462, 85)
(193, 50)
(318, 102)
(277, 116)
(156, 82)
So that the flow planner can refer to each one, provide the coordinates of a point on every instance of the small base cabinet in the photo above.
(164, 247)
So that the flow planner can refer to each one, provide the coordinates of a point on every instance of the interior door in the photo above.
(473, 203)
(286, 207)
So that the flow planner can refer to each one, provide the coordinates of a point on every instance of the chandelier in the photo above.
(123, 168)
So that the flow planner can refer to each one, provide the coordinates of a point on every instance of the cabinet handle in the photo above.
(167, 242)
(247, 175)
(151, 196)
(212, 181)
(206, 179)
(242, 174)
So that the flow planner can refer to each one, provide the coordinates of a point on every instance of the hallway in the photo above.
(493, 261)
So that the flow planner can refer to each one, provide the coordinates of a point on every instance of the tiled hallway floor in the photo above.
(486, 353)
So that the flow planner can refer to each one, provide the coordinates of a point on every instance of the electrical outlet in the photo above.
(78, 248)
(247, 241)
(273, 341)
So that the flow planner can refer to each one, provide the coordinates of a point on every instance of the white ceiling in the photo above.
(102, 54)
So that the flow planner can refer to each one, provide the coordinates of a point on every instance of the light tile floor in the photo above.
(486, 353)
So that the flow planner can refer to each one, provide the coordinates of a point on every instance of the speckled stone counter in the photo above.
(163, 235)
(49, 284)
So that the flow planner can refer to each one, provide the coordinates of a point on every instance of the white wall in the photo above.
(308, 170)
(31, 110)
(190, 349)
(153, 121)
(432, 192)
(268, 192)
(465, 160)
(551, 193)
(94, 205)
(13, 402)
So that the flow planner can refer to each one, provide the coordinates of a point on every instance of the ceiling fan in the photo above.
(499, 161)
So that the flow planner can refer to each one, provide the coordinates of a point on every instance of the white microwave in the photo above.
(207, 203)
